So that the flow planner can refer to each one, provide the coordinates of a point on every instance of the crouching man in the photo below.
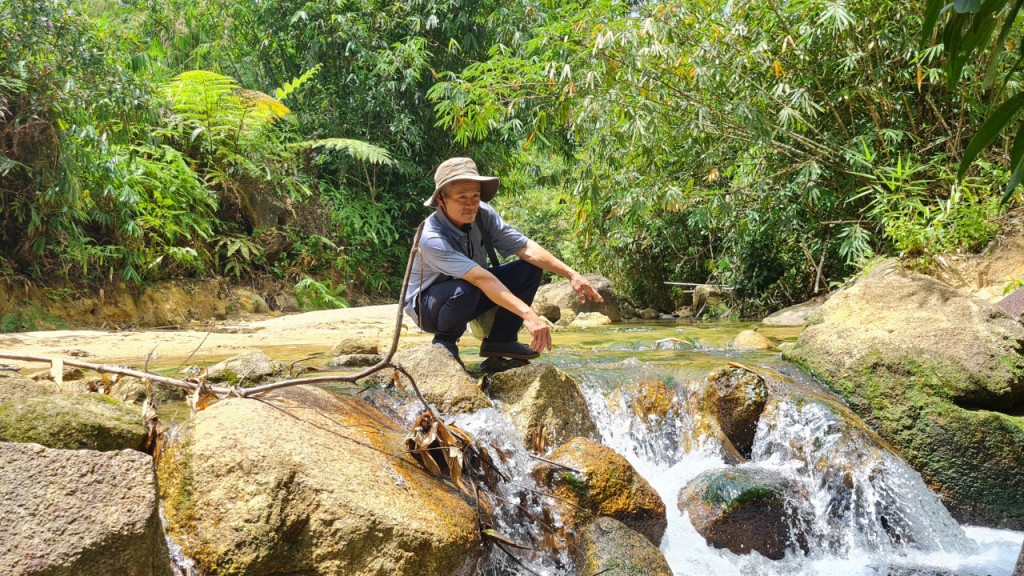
(451, 283)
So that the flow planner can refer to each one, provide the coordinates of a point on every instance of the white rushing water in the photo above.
(853, 539)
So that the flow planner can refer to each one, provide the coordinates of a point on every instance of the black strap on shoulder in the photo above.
(491, 253)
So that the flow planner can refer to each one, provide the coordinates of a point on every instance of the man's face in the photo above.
(461, 201)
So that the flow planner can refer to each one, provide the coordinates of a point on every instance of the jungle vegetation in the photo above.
(777, 146)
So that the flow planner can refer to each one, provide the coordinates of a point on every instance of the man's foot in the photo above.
(516, 350)
(450, 346)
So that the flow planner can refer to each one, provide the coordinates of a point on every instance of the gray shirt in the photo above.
(447, 252)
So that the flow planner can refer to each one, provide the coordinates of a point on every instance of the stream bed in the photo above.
(603, 359)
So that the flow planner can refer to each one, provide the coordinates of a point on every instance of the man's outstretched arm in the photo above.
(538, 256)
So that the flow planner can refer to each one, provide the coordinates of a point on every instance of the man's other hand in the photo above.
(585, 289)
(540, 334)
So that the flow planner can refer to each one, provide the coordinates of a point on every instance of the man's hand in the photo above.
(584, 289)
(540, 334)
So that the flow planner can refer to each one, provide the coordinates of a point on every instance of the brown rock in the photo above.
(546, 405)
(305, 483)
(649, 399)
(732, 399)
(1014, 304)
(552, 298)
(356, 343)
(443, 381)
(606, 485)
(76, 512)
(609, 546)
(250, 366)
(1018, 570)
(794, 315)
(751, 340)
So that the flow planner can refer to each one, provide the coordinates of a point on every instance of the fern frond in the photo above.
(357, 149)
(263, 105)
(289, 87)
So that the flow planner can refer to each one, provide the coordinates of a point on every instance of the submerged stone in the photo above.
(607, 546)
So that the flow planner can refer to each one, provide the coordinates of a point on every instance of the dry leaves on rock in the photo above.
(445, 449)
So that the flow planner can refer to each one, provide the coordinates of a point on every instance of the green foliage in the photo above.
(968, 30)
(313, 295)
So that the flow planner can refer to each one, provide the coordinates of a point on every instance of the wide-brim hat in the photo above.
(454, 169)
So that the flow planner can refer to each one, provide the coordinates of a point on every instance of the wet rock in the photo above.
(32, 412)
(675, 344)
(73, 512)
(627, 311)
(603, 484)
(649, 314)
(356, 343)
(355, 360)
(609, 546)
(552, 298)
(590, 320)
(251, 366)
(545, 404)
(649, 399)
(305, 483)
(247, 301)
(566, 317)
(938, 374)
(732, 399)
(443, 381)
(751, 340)
(794, 315)
(706, 296)
(744, 510)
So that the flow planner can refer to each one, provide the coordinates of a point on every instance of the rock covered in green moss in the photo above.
(77, 512)
(609, 546)
(546, 405)
(305, 483)
(32, 412)
(744, 510)
(938, 374)
(604, 484)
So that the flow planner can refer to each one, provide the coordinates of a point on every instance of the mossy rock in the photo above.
(938, 374)
(30, 412)
(744, 510)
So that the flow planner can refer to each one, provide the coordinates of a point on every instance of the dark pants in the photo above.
(446, 307)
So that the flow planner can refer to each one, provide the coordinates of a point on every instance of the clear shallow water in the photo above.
(851, 543)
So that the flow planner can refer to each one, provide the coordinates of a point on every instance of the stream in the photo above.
(893, 525)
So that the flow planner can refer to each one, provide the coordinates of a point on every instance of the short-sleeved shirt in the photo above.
(448, 252)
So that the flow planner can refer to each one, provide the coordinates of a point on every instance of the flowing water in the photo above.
(877, 518)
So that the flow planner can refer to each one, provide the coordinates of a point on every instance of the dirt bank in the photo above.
(284, 337)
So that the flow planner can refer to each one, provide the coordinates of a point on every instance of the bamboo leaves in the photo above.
(444, 449)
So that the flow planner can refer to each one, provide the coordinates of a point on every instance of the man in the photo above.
(451, 283)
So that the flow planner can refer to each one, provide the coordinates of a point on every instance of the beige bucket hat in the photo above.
(454, 169)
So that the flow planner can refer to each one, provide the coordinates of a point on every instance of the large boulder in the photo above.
(545, 404)
(442, 380)
(937, 373)
(552, 298)
(609, 546)
(591, 480)
(794, 315)
(745, 510)
(33, 412)
(1013, 304)
(308, 482)
(73, 512)
(251, 366)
